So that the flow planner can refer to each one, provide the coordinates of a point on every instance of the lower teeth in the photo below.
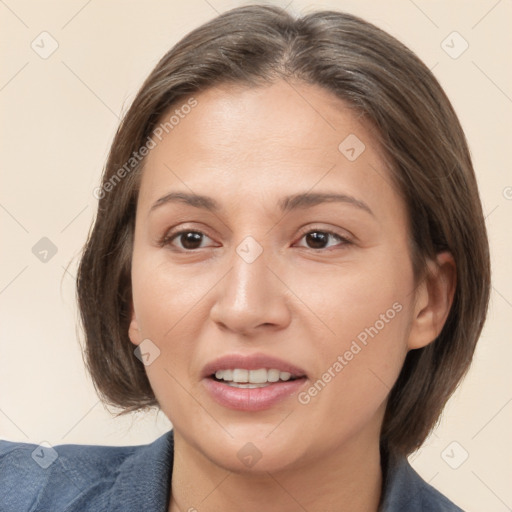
(248, 385)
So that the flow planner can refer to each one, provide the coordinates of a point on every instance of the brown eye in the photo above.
(321, 239)
(317, 240)
(191, 239)
(188, 240)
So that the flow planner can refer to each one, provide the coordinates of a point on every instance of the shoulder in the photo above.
(78, 477)
(406, 490)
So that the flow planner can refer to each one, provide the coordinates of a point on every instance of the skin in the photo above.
(298, 301)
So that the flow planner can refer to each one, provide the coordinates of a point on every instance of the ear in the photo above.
(434, 297)
(134, 330)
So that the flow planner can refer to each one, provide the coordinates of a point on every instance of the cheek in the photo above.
(168, 306)
(363, 343)
(356, 372)
(164, 295)
(347, 300)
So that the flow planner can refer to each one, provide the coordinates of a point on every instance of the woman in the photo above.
(290, 260)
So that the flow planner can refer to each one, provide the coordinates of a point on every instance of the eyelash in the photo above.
(168, 238)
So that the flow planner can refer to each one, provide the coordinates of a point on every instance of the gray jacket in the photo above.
(87, 478)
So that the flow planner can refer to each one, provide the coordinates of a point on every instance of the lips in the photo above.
(251, 383)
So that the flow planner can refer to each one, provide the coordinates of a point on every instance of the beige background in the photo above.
(59, 115)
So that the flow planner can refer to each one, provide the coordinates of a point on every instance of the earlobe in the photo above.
(133, 329)
(434, 298)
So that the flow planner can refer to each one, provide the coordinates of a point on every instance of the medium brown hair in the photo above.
(415, 125)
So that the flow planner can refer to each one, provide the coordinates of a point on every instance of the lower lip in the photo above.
(252, 399)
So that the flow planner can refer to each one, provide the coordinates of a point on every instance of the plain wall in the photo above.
(59, 115)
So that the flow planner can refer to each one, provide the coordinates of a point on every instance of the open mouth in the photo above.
(251, 379)
(252, 383)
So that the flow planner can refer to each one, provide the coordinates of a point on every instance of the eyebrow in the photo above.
(286, 204)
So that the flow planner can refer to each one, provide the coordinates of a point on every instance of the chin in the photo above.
(257, 458)
(250, 447)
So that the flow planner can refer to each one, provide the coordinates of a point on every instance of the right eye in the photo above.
(188, 239)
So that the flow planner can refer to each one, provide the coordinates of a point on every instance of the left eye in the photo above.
(317, 239)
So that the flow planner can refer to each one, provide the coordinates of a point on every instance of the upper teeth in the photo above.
(252, 376)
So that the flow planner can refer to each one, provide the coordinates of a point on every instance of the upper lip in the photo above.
(250, 362)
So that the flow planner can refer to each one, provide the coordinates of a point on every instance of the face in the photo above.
(271, 244)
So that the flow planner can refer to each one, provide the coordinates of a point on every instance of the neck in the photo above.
(348, 478)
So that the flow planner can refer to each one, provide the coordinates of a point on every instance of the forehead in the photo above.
(277, 139)
(269, 121)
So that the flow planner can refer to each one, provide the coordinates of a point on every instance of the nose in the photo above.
(251, 298)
